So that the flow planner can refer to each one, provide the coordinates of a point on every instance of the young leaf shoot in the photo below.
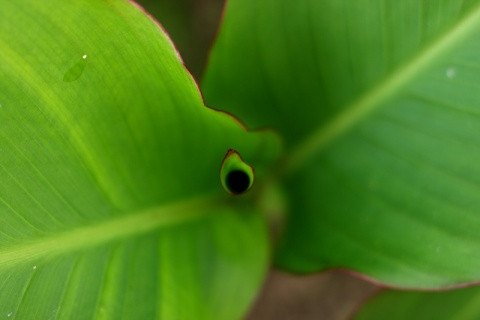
(236, 176)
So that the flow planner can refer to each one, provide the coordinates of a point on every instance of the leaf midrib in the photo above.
(325, 134)
(129, 225)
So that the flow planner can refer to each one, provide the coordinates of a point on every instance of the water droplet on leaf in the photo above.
(76, 71)
(451, 72)
(235, 175)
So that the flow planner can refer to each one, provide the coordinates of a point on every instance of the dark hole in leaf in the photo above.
(237, 181)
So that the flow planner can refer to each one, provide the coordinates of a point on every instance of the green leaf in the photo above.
(460, 304)
(378, 103)
(111, 202)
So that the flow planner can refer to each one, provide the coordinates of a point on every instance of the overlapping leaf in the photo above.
(379, 106)
(111, 205)
(460, 304)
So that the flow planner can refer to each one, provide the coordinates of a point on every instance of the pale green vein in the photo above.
(365, 105)
(49, 97)
(125, 226)
(68, 282)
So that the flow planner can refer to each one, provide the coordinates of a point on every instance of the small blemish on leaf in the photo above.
(76, 71)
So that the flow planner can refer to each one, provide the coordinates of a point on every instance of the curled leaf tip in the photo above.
(236, 176)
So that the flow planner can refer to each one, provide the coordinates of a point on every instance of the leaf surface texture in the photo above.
(111, 204)
(379, 106)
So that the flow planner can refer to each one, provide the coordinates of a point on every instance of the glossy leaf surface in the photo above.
(111, 204)
(459, 304)
(379, 106)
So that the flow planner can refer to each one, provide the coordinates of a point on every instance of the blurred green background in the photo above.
(191, 24)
